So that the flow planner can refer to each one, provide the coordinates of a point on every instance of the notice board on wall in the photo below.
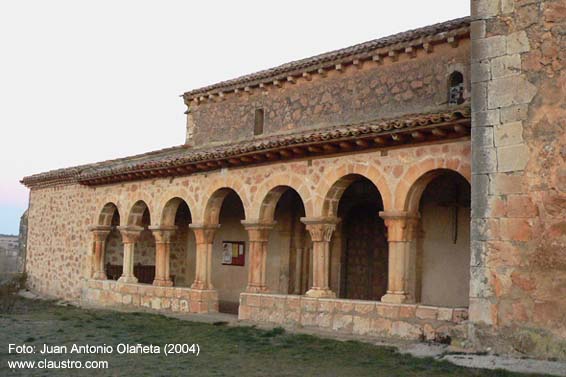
(233, 253)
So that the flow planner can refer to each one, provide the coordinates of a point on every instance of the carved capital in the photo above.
(163, 234)
(204, 233)
(130, 233)
(320, 228)
(100, 232)
(401, 225)
(258, 232)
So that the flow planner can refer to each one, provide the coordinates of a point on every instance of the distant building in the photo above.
(9, 253)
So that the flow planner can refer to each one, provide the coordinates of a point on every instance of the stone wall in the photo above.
(366, 318)
(376, 90)
(59, 243)
(519, 176)
(444, 243)
(174, 299)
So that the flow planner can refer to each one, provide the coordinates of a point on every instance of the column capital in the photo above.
(257, 231)
(320, 228)
(130, 233)
(204, 233)
(100, 232)
(163, 234)
(401, 225)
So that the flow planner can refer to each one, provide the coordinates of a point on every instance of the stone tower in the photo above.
(518, 264)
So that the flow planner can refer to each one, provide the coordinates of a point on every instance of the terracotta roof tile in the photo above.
(182, 156)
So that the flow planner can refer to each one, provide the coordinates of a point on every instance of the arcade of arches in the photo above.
(356, 249)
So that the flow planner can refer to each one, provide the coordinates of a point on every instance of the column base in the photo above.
(396, 298)
(201, 286)
(163, 283)
(256, 289)
(99, 275)
(128, 279)
(320, 293)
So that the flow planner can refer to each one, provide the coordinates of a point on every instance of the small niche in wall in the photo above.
(258, 122)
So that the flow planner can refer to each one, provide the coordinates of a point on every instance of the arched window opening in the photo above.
(456, 88)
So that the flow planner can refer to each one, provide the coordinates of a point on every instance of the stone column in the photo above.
(204, 236)
(401, 232)
(258, 234)
(99, 234)
(130, 235)
(162, 253)
(321, 229)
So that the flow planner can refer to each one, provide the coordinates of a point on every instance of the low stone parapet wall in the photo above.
(175, 299)
(366, 318)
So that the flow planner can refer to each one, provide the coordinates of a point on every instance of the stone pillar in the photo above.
(321, 230)
(258, 234)
(162, 253)
(401, 234)
(130, 235)
(99, 233)
(204, 236)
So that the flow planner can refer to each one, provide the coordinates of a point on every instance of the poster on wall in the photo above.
(233, 253)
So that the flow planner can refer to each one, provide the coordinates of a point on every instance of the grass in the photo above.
(224, 350)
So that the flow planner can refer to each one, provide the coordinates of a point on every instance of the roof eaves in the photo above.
(332, 57)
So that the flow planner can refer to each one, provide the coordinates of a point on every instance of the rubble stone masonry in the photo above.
(408, 84)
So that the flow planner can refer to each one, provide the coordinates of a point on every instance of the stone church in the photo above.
(412, 186)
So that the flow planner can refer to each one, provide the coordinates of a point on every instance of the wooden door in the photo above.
(366, 255)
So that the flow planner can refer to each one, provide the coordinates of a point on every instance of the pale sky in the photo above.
(86, 81)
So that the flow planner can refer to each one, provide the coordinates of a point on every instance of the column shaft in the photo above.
(100, 233)
(130, 235)
(204, 235)
(321, 230)
(258, 234)
(401, 233)
(162, 255)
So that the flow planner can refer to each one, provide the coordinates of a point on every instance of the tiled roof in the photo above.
(434, 34)
(181, 160)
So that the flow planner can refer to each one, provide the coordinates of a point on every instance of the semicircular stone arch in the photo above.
(169, 204)
(106, 214)
(268, 194)
(208, 209)
(169, 211)
(135, 214)
(213, 206)
(413, 183)
(333, 186)
(141, 197)
(102, 201)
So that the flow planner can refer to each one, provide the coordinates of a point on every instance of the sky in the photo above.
(86, 81)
